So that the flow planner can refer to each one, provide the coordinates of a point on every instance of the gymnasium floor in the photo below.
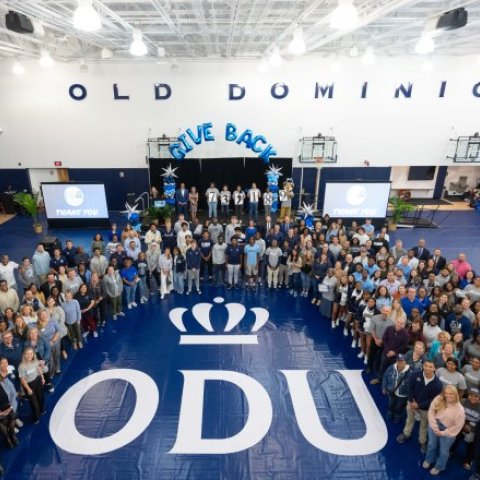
(295, 338)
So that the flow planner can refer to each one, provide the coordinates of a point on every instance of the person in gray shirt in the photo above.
(378, 325)
(219, 261)
(273, 255)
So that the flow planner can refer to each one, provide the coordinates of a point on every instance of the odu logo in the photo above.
(73, 196)
(189, 438)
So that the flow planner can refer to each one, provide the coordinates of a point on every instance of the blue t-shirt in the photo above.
(129, 273)
(206, 246)
(252, 251)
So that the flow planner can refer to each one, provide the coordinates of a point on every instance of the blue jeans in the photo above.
(142, 285)
(179, 281)
(130, 293)
(442, 444)
(212, 209)
(253, 210)
(306, 280)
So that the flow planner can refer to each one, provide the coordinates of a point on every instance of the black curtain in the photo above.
(223, 171)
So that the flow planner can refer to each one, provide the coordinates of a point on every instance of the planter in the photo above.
(392, 226)
(37, 228)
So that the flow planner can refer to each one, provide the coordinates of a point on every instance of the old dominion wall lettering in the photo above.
(280, 91)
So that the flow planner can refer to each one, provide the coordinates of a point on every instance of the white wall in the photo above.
(471, 172)
(41, 124)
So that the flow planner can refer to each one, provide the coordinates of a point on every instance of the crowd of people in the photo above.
(413, 314)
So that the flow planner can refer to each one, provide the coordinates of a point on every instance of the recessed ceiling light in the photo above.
(297, 45)
(425, 45)
(138, 47)
(45, 60)
(345, 16)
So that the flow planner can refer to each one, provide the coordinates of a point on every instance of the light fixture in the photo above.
(428, 66)
(106, 53)
(368, 57)
(275, 58)
(425, 45)
(160, 52)
(345, 16)
(263, 66)
(83, 66)
(45, 60)
(138, 47)
(297, 45)
(18, 68)
(86, 18)
(353, 52)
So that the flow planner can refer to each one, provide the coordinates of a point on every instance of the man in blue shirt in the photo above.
(252, 256)
(129, 276)
(193, 266)
(233, 255)
(411, 301)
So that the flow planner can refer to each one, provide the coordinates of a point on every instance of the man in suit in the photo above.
(286, 225)
(421, 252)
(439, 261)
(181, 199)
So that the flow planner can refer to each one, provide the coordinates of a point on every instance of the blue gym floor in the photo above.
(295, 338)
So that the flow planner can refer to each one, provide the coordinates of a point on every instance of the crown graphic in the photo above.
(201, 313)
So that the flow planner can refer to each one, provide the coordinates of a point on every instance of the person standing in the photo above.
(193, 267)
(395, 385)
(233, 255)
(252, 258)
(273, 254)
(423, 387)
(98, 262)
(254, 195)
(32, 380)
(238, 200)
(193, 202)
(446, 417)
(179, 267)
(7, 271)
(153, 235)
(129, 276)
(113, 286)
(166, 280)
(267, 198)
(41, 262)
(206, 246)
(26, 274)
(378, 326)
(225, 197)
(212, 195)
(218, 261)
(181, 199)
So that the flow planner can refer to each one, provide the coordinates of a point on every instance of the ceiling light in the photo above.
(345, 16)
(428, 66)
(160, 52)
(18, 68)
(45, 60)
(138, 47)
(425, 45)
(86, 18)
(297, 45)
(83, 66)
(263, 66)
(106, 53)
(368, 57)
(275, 58)
(353, 52)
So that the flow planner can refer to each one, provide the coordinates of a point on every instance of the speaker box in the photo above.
(452, 20)
(18, 23)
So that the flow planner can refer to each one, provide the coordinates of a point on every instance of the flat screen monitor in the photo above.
(159, 203)
(356, 199)
(421, 173)
(75, 204)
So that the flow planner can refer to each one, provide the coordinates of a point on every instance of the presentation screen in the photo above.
(356, 199)
(71, 201)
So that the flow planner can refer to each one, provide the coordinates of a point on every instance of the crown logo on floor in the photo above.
(201, 313)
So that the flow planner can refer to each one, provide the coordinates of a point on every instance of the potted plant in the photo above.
(152, 215)
(166, 212)
(29, 204)
(400, 207)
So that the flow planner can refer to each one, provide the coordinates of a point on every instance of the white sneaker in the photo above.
(115, 317)
(162, 296)
(134, 304)
(337, 323)
(85, 334)
(120, 314)
(345, 332)
(95, 334)
(18, 423)
(145, 299)
(142, 301)
(199, 292)
(333, 324)
(360, 355)
(365, 360)
(129, 306)
(354, 343)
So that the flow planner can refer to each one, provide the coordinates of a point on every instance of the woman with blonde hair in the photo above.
(32, 380)
(397, 311)
(446, 418)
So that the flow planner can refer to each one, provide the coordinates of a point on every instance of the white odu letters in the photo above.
(376, 434)
(62, 422)
(189, 435)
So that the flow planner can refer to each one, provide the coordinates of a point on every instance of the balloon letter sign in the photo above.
(187, 141)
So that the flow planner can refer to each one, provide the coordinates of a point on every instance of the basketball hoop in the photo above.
(318, 159)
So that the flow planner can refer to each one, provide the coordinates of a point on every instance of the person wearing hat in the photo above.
(471, 404)
(450, 375)
(395, 385)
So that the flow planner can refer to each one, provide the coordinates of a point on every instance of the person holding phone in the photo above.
(446, 417)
